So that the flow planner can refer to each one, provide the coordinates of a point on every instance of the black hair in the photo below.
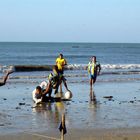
(38, 87)
(61, 54)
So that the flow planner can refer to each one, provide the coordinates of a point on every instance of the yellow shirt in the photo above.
(60, 63)
(91, 68)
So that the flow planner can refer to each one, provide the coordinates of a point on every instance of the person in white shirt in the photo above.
(41, 91)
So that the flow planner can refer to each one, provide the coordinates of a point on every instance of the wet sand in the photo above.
(113, 112)
(78, 134)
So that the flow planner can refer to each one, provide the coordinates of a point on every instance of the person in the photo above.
(45, 88)
(3, 82)
(59, 78)
(37, 94)
(61, 63)
(94, 69)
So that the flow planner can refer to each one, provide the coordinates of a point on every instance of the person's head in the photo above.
(55, 69)
(93, 59)
(61, 55)
(38, 90)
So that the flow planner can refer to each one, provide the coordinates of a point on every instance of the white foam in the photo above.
(105, 66)
(6, 68)
(121, 66)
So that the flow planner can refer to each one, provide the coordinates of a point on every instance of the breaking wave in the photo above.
(26, 68)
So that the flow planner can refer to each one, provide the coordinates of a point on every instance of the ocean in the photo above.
(119, 61)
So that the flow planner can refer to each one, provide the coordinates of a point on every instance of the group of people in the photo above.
(56, 78)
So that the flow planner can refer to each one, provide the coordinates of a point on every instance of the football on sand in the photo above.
(68, 95)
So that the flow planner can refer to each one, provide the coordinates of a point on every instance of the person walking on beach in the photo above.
(61, 63)
(3, 82)
(94, 69)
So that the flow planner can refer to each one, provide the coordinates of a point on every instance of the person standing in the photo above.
(94, 69)
(61, 63)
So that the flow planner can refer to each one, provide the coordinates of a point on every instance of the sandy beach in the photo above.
(78, 134)
(114, 114)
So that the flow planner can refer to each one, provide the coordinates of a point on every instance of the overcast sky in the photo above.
(70, 20)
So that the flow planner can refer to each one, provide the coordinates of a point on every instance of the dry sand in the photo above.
(74, 134)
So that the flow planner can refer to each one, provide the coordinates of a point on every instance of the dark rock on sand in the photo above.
(18, 107)
(1, 124)
(108, 97)
(132, 102)
(21, 103)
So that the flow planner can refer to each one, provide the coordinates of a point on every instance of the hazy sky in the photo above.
(70, 20)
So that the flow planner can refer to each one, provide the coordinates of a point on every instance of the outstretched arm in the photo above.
(47, 89)
(5, 78)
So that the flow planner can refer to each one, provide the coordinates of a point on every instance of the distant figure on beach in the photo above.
(3, 82)
(61, 63)
(94, 69)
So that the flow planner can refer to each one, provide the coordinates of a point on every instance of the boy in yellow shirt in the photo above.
(61, 63)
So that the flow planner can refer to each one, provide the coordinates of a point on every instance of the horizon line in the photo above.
(68, 42)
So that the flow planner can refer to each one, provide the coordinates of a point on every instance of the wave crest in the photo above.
(23, 68)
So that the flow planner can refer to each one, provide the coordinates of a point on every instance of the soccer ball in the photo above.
(68, 95)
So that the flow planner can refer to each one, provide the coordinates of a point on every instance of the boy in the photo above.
(93, 70)
(61, 63)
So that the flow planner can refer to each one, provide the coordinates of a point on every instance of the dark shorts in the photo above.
(62, 78)
(60, 72)
(93, 76)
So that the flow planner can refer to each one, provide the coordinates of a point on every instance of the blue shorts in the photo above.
(93, 76)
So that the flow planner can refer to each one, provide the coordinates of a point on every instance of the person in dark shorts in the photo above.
(61, 63)
(94, 69)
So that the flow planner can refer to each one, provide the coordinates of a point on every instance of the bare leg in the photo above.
(90, 82)
(61, 87)
(65, 84)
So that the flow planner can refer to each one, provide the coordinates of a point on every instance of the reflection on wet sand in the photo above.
(48, 113)
(93, 100)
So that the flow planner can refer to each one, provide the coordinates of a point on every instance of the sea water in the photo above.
(119, 61)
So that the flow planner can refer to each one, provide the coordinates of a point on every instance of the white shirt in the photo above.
(43, 85)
